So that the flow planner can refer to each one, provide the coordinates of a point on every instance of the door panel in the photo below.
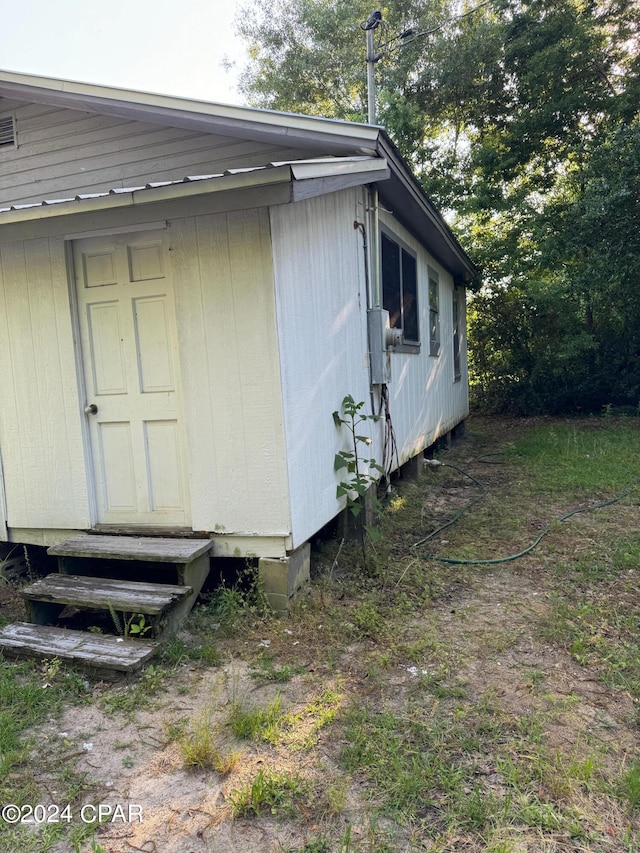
(117, 467)
(163, 463)
(106, 348)
(131, 374)
(153, 344)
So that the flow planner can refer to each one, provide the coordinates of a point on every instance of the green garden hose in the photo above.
(460, 562)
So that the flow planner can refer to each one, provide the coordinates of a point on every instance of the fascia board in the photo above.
(373, 168)
(420, 215)
(313, 181)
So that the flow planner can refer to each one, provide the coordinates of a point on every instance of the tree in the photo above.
(520, 118)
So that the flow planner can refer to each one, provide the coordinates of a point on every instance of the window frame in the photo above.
(435, 336)
(409, 345)
(456, 305)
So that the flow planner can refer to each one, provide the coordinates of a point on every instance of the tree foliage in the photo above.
(520, 117)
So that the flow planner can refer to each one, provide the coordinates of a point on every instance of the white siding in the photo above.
(322, 312)
(322, 301)
(229, 358)
(40, 420)
(62, 153)
(425, 400)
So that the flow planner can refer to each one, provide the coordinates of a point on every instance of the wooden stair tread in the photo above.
(96, 650)
(150, 548)
(102, 593)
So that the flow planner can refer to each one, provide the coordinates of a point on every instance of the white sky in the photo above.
(173, 47)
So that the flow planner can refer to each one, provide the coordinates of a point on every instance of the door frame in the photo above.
(88, 450)
(4, 527)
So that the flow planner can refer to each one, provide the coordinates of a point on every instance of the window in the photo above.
(400, 288)
(7, 132)
(456, 335)
(434, 312)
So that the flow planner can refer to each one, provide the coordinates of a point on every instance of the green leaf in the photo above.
(339, 462)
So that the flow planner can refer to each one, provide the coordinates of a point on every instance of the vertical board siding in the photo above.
(40, 434)
(231, 388)
(322, 320)
(322, 302)
(425, 400)
(62, 153)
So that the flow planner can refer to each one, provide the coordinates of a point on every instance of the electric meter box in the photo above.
(378, 322)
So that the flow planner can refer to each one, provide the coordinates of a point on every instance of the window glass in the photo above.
(391, 282)
(400, 288)
(456, 334)
(409, 297)
(434, 312)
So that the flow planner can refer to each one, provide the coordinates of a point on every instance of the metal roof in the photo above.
(349, 170)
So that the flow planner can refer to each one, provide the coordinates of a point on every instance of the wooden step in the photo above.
(152, 599)
(149, 548)
(96, 651)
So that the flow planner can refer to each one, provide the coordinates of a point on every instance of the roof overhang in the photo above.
(405, 198)
(364, 154)
(280, 183)
(270, 126)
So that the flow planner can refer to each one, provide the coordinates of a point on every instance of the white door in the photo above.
(131, 379)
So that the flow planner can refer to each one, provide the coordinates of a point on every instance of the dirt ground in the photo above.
(485, 626)
(186, 810)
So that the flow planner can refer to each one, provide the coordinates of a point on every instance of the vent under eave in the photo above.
(7, 131)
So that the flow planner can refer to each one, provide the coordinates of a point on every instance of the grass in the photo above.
(296, 729)
(199, 744)
(31, 693)
(574, 457)
(268, 791)
(420, 705)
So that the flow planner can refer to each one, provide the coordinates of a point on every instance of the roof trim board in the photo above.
(313, 175)
(256, 124)
(399, 189)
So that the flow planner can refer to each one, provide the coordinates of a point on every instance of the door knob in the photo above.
(91, 409)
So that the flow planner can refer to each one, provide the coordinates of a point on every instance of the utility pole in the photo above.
(372, 23)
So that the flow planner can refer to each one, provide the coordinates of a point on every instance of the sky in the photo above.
(172, 47)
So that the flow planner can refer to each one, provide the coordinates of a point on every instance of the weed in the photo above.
(367, 619)
(129, 625)
(336, 795)
(257, 723)
(629, 786)
(358, 476)
(198, 745)
(266, 671)
(277, 793)
(135, 697)
(227, 605)
(177, 652)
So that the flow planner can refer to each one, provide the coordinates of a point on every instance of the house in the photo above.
(187, 293)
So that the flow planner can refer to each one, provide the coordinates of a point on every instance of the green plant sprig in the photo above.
(356, 482)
